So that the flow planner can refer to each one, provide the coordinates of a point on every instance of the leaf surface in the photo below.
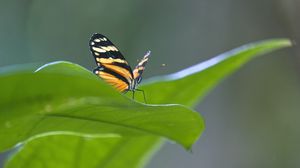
(57, 102)
(184, 87)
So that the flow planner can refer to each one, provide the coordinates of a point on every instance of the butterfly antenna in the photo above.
(143, 94)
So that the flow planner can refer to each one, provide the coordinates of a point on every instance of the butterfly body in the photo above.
(112, 66)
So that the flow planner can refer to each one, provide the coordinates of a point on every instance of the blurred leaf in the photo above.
(191, 84)
(57, 102)
(188, 86)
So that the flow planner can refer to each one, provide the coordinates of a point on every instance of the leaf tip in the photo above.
(284, 42)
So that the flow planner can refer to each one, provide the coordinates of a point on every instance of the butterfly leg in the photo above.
(133, 94)
(143, 94)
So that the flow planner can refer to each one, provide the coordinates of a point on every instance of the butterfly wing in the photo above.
(112, 66)
(139, 69)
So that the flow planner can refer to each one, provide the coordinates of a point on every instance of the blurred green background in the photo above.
(252, 118)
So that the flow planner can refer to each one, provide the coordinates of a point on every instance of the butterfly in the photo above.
(112, 66)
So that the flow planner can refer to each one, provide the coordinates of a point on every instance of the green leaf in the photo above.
(57, 102)
(188, 86)
(185, 87)
(83, 152)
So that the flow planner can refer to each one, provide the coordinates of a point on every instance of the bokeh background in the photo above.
(252, 117)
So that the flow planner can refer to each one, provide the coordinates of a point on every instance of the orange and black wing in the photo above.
(112, 66)
(139, 69)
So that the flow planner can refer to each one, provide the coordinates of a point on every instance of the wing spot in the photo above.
(109, 48)
(110, 60)
(100, 39)
(98, 49)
